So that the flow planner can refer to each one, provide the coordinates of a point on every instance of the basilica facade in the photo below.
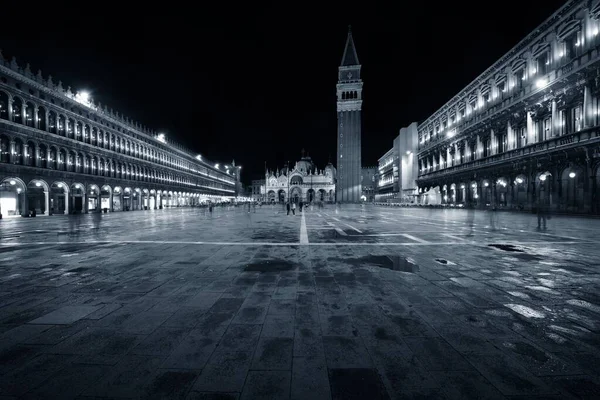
(304, 182)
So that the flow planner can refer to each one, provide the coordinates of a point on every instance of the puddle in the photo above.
(521, 253)
(441, 261)
(395, 263)
(507, 247)
(270, 266)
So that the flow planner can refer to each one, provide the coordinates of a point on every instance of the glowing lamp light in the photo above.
(486, 184)
(519, 180)
(572, 175)
(540, 83)
(543, 177)
(161, 138)
(474, 185)
(12, 182)
(408, 152)
(59, 185)
(38, 184)
(199, 157)
(216, 165)
(18, 190)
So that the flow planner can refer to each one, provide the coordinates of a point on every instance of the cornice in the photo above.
(352, 105)
(515, 51)
(99, 113)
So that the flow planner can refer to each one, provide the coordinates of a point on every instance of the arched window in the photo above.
(30, 114)
(41, 118)
(17, 110)
(3, 105)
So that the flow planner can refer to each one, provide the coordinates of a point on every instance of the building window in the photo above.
(519, 77)
(547, 126)
(577, 118)
(543, 62)
(573, 45)
(522, 137)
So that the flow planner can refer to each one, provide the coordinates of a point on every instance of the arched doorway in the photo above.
(322, 194)
(145, 199)
(117, 199)
(502, 194)
(310, 195)
(520, 191)
(135, 199)
(59, 198)
(38, 197)
(571, 196)
(271, 196)
(77, 197)
(281, 195)
(152, 202)
(93, 199)
(12, 197)
(296, 194)
(105, 198)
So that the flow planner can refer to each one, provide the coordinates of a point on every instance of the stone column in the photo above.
(25, 154)
(24, 113)
(25, 204)
(530, 129)
(36, 161)
(555, 121)
(587, 106)
(12, 157)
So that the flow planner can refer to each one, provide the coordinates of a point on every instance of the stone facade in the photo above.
(60, 152)
(368, 183)
(527, 129)
(305, 182)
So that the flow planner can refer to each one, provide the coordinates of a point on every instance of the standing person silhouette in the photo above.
(293, 208)
(288, 208)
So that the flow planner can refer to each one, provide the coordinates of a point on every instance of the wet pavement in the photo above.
(344, 303)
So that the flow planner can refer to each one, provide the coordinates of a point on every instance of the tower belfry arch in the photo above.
(349, 108)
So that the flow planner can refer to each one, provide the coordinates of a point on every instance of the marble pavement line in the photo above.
(303, 233)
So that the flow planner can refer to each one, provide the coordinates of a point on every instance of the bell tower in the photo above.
(349, 106)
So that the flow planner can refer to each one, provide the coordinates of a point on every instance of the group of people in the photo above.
(292, 206)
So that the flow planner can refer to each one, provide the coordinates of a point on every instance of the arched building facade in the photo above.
(528, 127)
(61, 153)
(305, 182)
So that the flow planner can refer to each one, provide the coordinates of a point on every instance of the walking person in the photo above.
(542, 212)
(97, 218)
(300, 204)
(288, 208)
(294, 208)
(470, 219)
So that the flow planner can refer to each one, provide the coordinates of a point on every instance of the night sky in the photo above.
(257, 83)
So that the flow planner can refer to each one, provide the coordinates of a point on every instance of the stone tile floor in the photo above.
(345, 303)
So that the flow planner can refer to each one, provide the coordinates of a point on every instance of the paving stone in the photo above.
(206, 328)
(169, 384)
(273, 353)
(192, 352)
(161, 342)
(346, 352)
(267, 385)
(356, 383)
(128, 378)
(65, 315)
(224, 372)
(309, 379)
(239, 338)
